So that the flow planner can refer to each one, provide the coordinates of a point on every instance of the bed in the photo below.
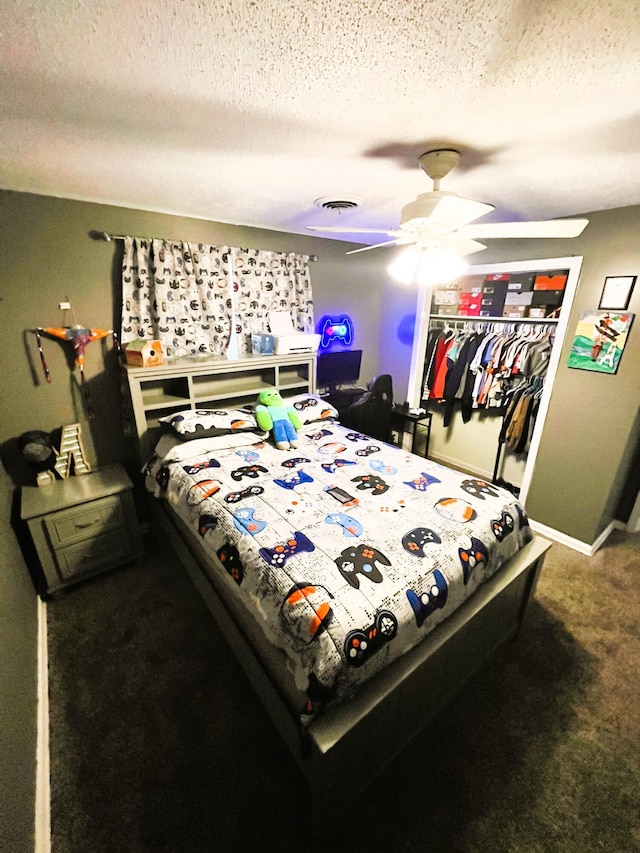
(360, 586)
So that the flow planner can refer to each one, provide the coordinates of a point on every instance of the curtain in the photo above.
(177, 293)
(197, 299)
(269, 281)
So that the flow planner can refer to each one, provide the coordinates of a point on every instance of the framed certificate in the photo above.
(616, 292)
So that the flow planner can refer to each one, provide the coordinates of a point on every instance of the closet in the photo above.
(486, 351)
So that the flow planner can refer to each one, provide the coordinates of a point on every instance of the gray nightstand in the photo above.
(82, 525)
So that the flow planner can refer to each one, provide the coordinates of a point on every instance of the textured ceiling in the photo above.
(246, 111)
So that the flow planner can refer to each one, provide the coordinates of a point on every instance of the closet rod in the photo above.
(103, 235)
(477, 319)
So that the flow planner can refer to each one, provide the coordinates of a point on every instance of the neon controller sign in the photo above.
(332, 330)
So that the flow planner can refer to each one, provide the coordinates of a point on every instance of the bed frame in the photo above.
(354, 742)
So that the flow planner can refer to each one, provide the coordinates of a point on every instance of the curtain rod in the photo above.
(102, 235)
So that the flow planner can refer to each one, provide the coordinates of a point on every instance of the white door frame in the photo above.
(414, 392)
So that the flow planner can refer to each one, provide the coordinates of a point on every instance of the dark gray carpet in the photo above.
(158, 742)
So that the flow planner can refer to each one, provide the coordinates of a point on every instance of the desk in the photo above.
(401, 418)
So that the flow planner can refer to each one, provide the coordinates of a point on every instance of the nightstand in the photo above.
(82, 525)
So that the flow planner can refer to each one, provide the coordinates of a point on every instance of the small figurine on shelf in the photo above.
(274, 416)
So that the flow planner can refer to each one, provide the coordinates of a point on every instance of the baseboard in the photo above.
(43, 782)
(548, 532)
(449, 462)
(576, 544)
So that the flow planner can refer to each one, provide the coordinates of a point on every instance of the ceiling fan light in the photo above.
(427, 266)
(440, 266)
(405, 265)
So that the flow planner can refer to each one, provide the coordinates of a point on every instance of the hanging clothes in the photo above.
(458, 373)
(520, 414)
(437, 344)
(479, 365)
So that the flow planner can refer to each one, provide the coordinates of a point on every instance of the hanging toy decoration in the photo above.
(80, 338)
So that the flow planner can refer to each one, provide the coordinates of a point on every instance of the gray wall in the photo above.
(48, 257)
(18, 685)
(584, 471)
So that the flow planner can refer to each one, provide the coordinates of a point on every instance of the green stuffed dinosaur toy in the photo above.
(274, 416)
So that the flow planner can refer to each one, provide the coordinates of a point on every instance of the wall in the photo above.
(584, 470)
(49, 257)
(18, 686)
(586, 453)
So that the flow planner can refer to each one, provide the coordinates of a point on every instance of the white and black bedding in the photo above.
(346, 551)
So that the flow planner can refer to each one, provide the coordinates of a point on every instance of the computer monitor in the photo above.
(338, 368)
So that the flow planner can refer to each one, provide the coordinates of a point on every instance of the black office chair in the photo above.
(371, 413)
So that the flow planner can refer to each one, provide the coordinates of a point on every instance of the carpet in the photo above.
(158, 742)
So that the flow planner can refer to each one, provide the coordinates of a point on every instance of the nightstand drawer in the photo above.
(106, 550)
(84, 522)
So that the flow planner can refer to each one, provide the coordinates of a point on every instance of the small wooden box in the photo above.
(143, 353)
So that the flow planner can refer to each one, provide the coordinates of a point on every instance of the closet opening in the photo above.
(485, 355)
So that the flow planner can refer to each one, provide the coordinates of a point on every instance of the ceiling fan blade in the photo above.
(399, 242)
(467, 247)
(456, 240)
(455, 211)
(437, 212)
(336, 229)
(550, 228)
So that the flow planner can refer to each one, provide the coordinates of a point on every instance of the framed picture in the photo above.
(616, 292)
(599, 340)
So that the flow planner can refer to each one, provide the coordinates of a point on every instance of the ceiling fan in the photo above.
(440, 219)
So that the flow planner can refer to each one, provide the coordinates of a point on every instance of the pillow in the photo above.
(201, 423)
(312, 407)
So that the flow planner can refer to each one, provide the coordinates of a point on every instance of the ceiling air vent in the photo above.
(338, 204)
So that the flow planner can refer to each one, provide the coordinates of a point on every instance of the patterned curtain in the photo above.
(269, 281)
(196, 299)
(177, 293)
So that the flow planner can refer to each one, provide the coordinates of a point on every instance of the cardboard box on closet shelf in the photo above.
(521, 283)
(143, 353)
(469, 304)
(445, 297)
(493, 296)
(518, 298)
(491, 308)
(471, 283)
(537, 313)
(547, 297)
(495, 289)
(550, 281)
(515, 311)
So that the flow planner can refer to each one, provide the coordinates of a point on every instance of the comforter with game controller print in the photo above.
(346, 550)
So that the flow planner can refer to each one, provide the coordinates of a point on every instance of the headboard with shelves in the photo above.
(213, 384)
